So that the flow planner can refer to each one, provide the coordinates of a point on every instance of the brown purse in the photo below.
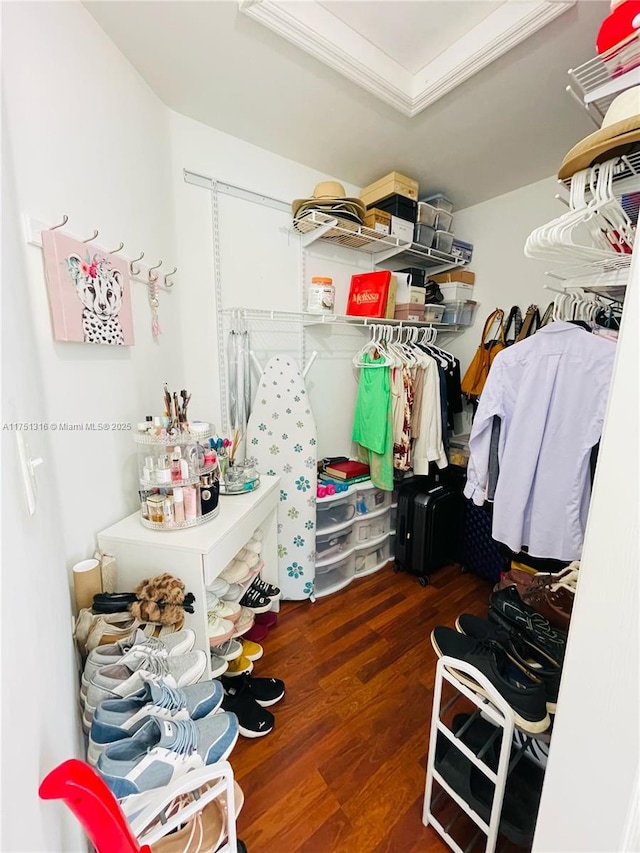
(478, 370)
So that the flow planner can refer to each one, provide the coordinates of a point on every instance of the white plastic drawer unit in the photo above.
(372, 558)
(333, 544)
(371, 499)
(331, 514)
(371, 526)
(334, 575)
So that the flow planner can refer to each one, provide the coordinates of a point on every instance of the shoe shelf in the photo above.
(491, 706)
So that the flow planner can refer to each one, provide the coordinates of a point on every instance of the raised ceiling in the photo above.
(508, 125)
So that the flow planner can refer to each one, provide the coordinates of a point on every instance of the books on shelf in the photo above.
(347, 470)
(327, 478)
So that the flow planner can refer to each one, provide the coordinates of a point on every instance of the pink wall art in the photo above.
(89, 292)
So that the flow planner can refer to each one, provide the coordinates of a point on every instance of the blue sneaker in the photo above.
(116, 719)
(163, 750)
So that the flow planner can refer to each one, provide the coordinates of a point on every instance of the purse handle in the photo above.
(498, 315)
(515, 319)
(531, 319)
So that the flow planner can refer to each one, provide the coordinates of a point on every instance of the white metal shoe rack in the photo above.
(493, 707)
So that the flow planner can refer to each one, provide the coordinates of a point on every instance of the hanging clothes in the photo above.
(373, 421)
(550, 393)
(428, 446)
(402, 438)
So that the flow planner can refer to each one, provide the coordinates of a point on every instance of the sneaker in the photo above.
(234, 593)
(255, 601)
(252, 651)
(253, 720)
(257, 535)
(537, 664)
(219, 629)
(229, 650)
(269, 619)
(175, 644)
(266, 691)
(254, 545)
(257, 633)
(265, 589)
(507, 609)
(235, 571)
(219, 587)
(116, 719)
(133, 670)
(239, 666)
(218, 665)
(93, 630)
(249, 556)
(162, 750)
(525, 695)
(244, 623)
(224, 609)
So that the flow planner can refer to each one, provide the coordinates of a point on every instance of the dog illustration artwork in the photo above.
(99, 288)
(89, 292)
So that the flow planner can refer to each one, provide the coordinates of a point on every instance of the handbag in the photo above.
(531, 323)
(514, 319)
(477, 372)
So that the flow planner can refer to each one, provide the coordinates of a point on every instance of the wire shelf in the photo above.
(308, 319)
(602, 78)
(316, 225)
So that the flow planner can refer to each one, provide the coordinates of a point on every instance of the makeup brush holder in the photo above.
(179, 482)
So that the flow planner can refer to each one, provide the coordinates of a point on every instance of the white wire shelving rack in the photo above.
(492, 707)
(599, 80)
(336, 320)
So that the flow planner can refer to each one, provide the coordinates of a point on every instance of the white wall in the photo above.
(82, 135)
(498, 229)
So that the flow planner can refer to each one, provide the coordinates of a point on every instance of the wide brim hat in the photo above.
(620, 131)
(329, 196)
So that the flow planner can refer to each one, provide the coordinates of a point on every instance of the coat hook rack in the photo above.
(167, 277)
(65, 219)
(93, 237)
(153, 277)
(119, 249)
(133, 271)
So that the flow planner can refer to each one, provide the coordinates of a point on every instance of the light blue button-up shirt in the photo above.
(550, 392)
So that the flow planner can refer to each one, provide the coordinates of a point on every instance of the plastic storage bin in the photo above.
(372, 559)
(334, 513)
(332, 545)
(371, 500)
(370, 527)
(424, 235)
(456, 292)
(443, 241)
(444, 220)
(426, 214)
(393, 517)
(462, 250)
(333, 576)
(459, 313)
(433, 313)
(440, 201)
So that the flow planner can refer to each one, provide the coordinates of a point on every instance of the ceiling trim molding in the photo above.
(337, 45)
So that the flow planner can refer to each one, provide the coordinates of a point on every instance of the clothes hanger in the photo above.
(372, 346)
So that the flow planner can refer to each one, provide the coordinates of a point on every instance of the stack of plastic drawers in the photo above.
(352, 536)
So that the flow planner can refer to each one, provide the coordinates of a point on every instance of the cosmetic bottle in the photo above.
(178, 505)
(142, 427)
(149, 422)
(165, 420)
(167, 508)
(154, 508)
(144, 509)
(176, 470)
(163, 471)
(210, 456)
(189, 498)
(149, 470)
(208, 494)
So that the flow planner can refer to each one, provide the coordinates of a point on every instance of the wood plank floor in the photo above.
(344, 769)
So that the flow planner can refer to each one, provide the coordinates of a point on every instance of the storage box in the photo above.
(444, 220)
(433, 313)
(368, 294)
(463, 276)
(426, 214)
(398, 205)
(459, 313)
(409, 311)
(391, 184)
(365, 529)
(372, 559)
(462, 250)
(402, 229)
(418, 275)
(443, 241)
(403, 286)
(378, 220)
(456, 292)
(424, 235)
(335, 512)
(440, 201)
(417, 295)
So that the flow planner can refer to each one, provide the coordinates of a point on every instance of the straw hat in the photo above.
(329, 197)
(620, 129)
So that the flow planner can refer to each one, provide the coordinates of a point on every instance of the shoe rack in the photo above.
(492, 707)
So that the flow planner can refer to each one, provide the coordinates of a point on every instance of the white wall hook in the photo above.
(28, 465)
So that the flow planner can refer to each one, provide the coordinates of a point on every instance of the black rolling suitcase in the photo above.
(428, 529)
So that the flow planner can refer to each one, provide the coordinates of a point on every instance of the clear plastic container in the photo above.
(433, 313)
(370, 527)
(426, 214)
(459, 313)
(424, 235)
(333, 576)
(443, 241)
(335, 513)
(440, 201)
(444, 220)
(371, 500)
(332, 545)
(322, 296)
(369, 560)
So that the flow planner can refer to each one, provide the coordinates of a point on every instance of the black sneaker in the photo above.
(523, 786)
(266, 691)
(264, 588)
(525, 695)
(508, 610)
(537, 663)
(255, 601)
(253, 720)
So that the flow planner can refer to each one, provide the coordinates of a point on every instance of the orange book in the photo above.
(368, 294)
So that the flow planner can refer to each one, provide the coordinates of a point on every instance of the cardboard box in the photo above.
(406, 311)
(402, 229)
(391, 298)
(463, 276)
(378, 220)
(390, 184)
(417, 295)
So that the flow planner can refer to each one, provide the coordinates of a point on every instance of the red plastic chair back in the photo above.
(93, 804)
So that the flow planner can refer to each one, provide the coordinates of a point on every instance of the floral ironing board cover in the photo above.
(281, 440)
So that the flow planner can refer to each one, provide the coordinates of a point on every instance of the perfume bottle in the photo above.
(209, 491)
